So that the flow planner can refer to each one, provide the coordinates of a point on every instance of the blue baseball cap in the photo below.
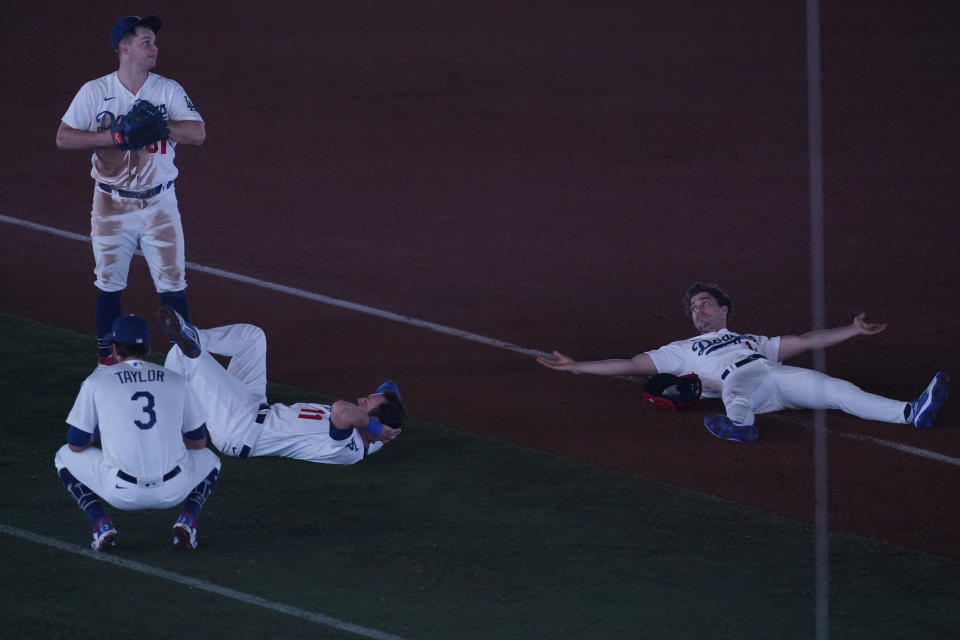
(390, 386)
(129, 329)
(128, 24)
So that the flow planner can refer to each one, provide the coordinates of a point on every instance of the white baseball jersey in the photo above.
(120, 223)
(232, 398)
(764, 385)
(708, 355)
(302, 431)
(142, 410)
(97, 106)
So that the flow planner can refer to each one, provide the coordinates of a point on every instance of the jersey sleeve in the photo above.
(670, 359)
(82, 112)
(179, 105)
(83, 415)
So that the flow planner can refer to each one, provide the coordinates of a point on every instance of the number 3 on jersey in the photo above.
(148, 409)
(157, 146)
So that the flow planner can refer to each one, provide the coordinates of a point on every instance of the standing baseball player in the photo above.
(152, 452)
(243, 424)
(745, 370)
(133, 121)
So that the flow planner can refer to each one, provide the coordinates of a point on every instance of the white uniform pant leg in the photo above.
(114, 232)
(162, 242)
(246, 346)
(88, 467)
(800, 388)
(194, 469)
(742, 388)
(229, 404)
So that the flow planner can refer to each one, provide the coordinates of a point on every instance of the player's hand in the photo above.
(559, 362)
(386, 434)
(865, 328)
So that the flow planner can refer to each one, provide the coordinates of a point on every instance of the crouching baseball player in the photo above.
(243, 424)
(152, 452)
(745, 370)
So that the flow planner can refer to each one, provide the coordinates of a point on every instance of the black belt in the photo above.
(261, 416)
(123, 475)
(736, 365)
(139, 195)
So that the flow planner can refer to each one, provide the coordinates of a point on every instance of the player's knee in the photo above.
(252, 334)
(257, 334)
(841, 388)
(60, 460)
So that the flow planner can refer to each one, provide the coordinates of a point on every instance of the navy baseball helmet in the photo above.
(128, 24)
(129, 329)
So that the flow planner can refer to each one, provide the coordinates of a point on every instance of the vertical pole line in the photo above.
(818, 313)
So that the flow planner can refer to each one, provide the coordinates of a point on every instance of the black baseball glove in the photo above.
(142, 125)
(669, 392)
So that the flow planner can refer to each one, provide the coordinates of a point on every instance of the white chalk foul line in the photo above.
(308, 295)
(905, 448)
(233, 594)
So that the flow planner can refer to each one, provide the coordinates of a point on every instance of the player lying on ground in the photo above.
(240, 421)
(152, 452)
(745, 370)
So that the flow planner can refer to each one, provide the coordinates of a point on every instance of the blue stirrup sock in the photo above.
(177, 300)
(108, 305)
(199, 495)
(86, 499)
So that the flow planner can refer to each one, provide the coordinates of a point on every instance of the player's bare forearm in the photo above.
(638, 365)
(795, 345)
(346, 415)
(70, 139)
(187, 131)
(195, 444)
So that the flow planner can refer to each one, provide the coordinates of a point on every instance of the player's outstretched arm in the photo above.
(794, 345)
(639, 365)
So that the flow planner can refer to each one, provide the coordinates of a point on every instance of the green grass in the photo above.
(440, 535)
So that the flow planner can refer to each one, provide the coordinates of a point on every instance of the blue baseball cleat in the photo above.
(185, 532)
(924, 409)
(104, 535)
(723, 427)
(180, 332)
